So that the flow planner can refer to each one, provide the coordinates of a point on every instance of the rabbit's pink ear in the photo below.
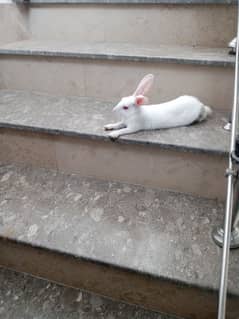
(144, 85)
(140, 99)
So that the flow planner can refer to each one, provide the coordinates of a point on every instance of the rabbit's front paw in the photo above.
(114, 135)
(108, 127)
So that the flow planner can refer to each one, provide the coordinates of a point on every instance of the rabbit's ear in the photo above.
(144, 85)
(140, 100)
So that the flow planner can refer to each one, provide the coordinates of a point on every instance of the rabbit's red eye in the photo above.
(125, 107)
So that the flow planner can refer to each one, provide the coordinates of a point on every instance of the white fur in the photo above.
(233, 43)
(179, 112)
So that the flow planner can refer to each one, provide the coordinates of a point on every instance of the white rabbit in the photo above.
(135, 116)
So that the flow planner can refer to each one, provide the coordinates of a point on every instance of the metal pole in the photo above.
(230, 193)
(225, 254)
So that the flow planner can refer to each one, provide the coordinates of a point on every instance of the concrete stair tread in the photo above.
(121, 51)
(154, 232)
(23, 296)
(85, 117)
(132, 1)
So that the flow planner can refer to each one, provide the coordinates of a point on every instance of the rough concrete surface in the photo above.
(164, 234)
(86, 117)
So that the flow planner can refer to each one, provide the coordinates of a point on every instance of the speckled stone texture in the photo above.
(160, 233)
(22, 296)
(121, 51)
(86, 117)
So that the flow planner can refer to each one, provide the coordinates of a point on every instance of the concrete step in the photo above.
(139, 245)
(23, 296)
(66, 133)
(121, 52)
(135, 2)
(194, 23)
(109, 71)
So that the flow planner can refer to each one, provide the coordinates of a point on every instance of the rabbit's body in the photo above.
(135, 116)
(179, 112)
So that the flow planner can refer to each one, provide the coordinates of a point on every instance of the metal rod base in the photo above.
(218, 235)
(227, 127)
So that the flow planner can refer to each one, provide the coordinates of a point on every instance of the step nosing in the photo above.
(108, 264)
(64, 301)
(133, 2)
(101, 137)
(122, 57)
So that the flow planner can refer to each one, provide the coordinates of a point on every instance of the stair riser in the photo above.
(199, 25)
(132, 287)
(110, 80)
(186, 172)
(13, 23)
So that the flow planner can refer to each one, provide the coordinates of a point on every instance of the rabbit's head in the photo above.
(129, 104)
